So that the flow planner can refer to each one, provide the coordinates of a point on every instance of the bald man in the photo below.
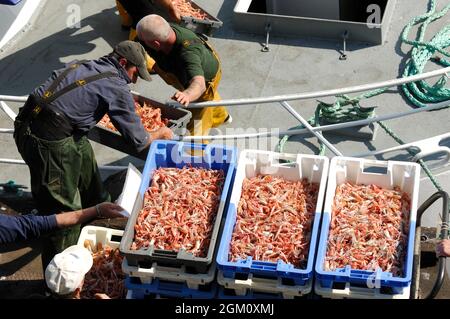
(188, 63)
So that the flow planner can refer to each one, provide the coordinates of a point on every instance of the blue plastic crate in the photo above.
(177, 155)
(314, 168)
(169, 289)
(356, 170)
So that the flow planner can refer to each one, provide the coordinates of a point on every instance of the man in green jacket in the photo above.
(188, 63)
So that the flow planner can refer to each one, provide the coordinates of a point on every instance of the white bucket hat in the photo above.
(66, 271)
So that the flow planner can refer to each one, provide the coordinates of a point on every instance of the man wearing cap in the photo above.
(51, 132)
(65, 273)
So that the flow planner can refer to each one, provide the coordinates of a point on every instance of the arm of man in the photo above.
(19, 228)
(121, 111)
(103, 210)
(192, 77)
(443, 248)
(195, 89)
(24, 227)
(171, 9)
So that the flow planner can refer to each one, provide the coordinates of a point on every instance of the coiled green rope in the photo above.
(347, 109)
(420, 93)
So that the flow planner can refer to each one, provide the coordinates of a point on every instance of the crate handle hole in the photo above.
(339, 285)
(116, 238)
(241, 276)
(382, 170)
(287, 281)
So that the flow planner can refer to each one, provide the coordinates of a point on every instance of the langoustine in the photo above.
(186, 9)
(274, 220)
(179, 210)
(369, 228)
(105, 276)
(151, 118)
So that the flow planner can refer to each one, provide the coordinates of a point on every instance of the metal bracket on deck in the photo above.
(265, 47)
(343, 56)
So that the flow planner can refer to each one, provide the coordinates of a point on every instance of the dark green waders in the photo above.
(64, 172)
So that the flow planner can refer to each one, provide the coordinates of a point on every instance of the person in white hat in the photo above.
(65, 273)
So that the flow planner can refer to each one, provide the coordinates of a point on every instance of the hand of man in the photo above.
(110, 210)
(181, 98)
(164, 133)
(175, 15)
(443, 248)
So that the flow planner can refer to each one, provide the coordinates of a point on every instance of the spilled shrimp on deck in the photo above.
(369, 228)
(274, 220)
(179, 210)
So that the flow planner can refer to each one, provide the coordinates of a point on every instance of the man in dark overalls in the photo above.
(51, 133)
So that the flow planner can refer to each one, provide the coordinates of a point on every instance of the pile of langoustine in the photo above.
(179, 210)
(150, 116)
(187, 10)
(105, 276)
(369, 228)
(274, 220)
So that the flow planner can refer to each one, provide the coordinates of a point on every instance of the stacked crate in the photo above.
(93, 237)
(178, 120)
(355, 283)
(169, 282)
(207, 24)
(153, 273)
(248, 278)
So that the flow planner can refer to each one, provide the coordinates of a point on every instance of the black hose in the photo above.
(444, 235)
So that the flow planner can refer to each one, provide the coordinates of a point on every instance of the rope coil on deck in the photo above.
(419, 93)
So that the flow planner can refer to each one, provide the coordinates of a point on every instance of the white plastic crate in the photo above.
(103, 235)
(176, 274)
(292, 167)
(349, 292)
(385, 174)
(272, 286)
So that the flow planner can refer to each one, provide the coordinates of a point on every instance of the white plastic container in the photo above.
(385, 174)
(103, 235)
(264, 285)
(176, 274)
(349, 292)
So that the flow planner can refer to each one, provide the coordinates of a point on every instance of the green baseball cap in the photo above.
(135, 53)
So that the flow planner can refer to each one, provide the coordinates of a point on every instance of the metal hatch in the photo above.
(363, 20)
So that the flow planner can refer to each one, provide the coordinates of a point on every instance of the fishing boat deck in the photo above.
(292, 65)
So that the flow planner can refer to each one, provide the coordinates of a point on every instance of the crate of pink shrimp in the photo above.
(270, 231)
(196, 18)
(103, 243)
(368, 228)
(153, 115)
(176, 218)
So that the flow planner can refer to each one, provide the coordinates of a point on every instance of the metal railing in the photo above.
(282, 99)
